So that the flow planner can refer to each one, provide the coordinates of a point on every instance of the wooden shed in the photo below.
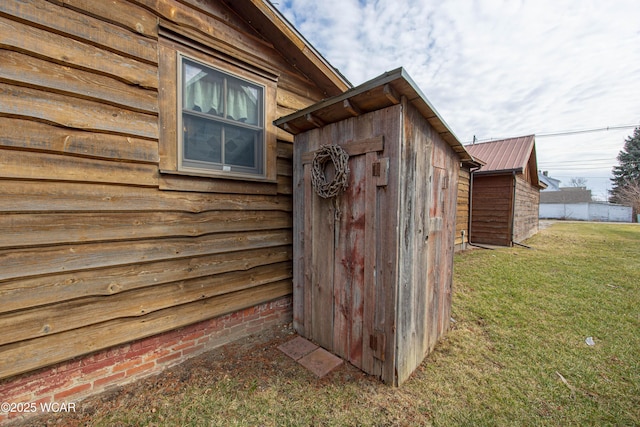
(143, 185)
(463, 210)
(373, 265)
(505, 191)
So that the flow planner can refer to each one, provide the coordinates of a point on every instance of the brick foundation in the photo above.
(74, 380)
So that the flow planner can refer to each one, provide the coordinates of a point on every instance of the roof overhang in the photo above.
(498, 172)
(381, 92)
(266, 19)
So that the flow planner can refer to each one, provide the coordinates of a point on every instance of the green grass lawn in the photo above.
(516, 355)
(518, 347)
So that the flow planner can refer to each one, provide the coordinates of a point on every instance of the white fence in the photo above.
(586, 212)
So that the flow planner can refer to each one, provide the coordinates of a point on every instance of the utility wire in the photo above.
(561, 133)
(575, 132)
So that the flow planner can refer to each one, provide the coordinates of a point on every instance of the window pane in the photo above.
(204, 89)
(242, 102)
(201, 138)
(240, 147)
(222, 120)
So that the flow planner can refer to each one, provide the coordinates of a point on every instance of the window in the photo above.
(216, 113)
(221, 121)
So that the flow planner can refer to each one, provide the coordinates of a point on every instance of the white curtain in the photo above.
(205, 92)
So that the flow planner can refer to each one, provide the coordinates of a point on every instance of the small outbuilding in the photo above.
(463, 212)
(505, 191)
(373, 260)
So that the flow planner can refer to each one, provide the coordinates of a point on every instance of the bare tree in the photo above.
(578, 182)
(629, 195)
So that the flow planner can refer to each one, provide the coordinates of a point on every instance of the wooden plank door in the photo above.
(340, 256)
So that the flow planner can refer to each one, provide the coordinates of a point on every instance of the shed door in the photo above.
(340, 255)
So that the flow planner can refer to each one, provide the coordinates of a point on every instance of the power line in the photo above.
(562, 133)
(575, 132)
(610, 159)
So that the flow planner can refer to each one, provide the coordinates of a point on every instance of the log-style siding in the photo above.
(505, 191)
(491, 209)
(527, 206)
(98, 247)
(462, 209)
(504, 209)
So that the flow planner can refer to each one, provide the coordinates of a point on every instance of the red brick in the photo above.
(251, 317)
(235, 316)
(105, 380)
(146, 367)
(272, 318)
(23, 398)
(147, 355)
(251, 311)
(26, 380)
(168, 358)
(126, 365)
(72, 391)
(141, 352)
(170, 336)
(46, 399)
(204, 340)
(134, 346)
(267, 311)
(96, 366)
(184, 345)
(194, 349)
(193, 336)
(155, 355)
(120, 355)
(170, 342)
(69, 366)
(214, 324)
(189, 329)
(57, 382)
(155, 341)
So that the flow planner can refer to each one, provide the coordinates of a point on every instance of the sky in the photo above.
(496, 69)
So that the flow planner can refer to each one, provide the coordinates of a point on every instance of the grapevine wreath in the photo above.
(340, 159)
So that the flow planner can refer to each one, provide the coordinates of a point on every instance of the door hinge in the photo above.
(381, 171)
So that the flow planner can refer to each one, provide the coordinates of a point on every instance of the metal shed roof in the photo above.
(510, 154)
(381, 92)
(506, 156)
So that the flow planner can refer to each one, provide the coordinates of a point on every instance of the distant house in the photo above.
(551, 183)
(505, 191)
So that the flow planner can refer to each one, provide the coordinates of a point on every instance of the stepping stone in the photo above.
(297, 348)
(320, 362)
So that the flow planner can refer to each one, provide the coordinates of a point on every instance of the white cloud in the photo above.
(497, 68)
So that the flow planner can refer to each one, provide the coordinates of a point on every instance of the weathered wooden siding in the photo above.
(462, 209)
(345, 262)
(527, 206)
(491, 209)
(427, 220)
(373, 269)
(92, 252)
